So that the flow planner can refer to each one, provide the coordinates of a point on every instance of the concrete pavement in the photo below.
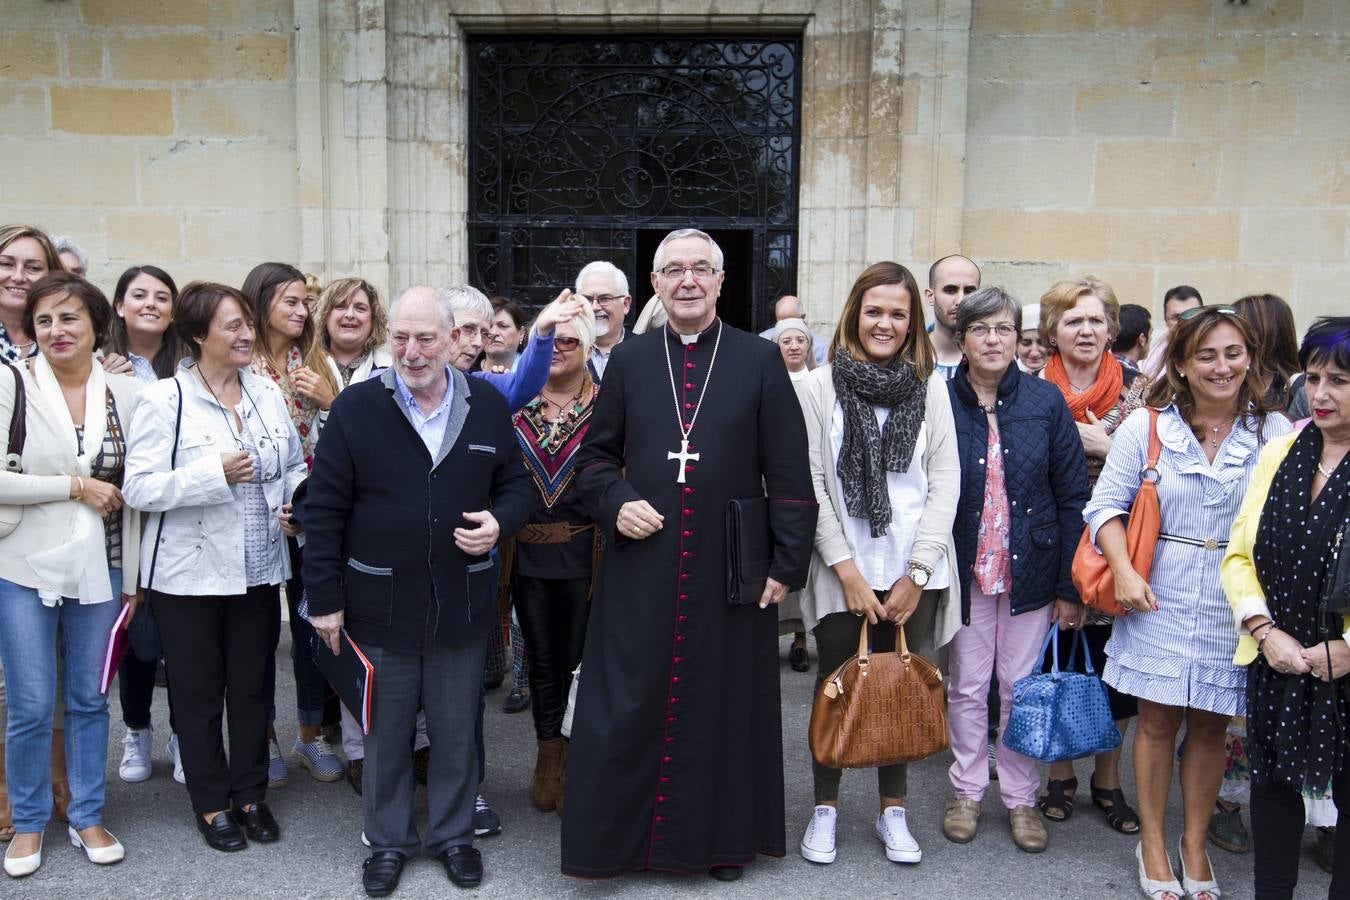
(320, 854)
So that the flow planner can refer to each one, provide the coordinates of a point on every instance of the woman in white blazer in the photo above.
(887, 478)
(214, 452)
(64, 564)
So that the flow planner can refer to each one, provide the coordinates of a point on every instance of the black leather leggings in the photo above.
(552, 613)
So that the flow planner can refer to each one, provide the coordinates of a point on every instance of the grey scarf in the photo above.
(869, 452)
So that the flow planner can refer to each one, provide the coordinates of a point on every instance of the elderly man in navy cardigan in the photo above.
(416, 478)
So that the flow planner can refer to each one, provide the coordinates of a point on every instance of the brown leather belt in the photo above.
(551, 532)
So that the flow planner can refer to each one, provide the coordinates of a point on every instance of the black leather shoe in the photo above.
(726, 873)
(222, 834)
(464, 865)
(380, 873)
(257, 823)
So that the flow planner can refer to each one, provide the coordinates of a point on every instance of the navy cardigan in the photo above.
(1045, 472)
(380, 516)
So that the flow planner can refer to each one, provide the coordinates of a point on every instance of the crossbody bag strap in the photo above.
(1154, 440)
(18, 424)
(173, 464)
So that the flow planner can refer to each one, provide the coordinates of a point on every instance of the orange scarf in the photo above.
(1101, 398)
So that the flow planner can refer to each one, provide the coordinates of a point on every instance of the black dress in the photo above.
(676, 759)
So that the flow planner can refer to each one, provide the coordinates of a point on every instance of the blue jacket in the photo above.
(1045, 472)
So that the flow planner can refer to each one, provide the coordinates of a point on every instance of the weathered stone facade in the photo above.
(1148, 141)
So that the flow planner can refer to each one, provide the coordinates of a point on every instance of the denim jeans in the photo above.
(28, 651)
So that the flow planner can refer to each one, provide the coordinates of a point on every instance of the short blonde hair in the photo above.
(1062, 297)
(583, 322)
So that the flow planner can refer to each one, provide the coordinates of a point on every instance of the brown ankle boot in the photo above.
(562, 778)
(544, 785)
(60, 785)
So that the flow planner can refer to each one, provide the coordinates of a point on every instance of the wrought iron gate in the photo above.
(583, 148)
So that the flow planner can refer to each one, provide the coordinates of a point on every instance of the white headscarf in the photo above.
(793, 324)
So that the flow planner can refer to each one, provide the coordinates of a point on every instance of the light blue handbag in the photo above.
(1061, 714)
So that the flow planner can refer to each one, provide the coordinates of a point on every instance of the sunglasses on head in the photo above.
(1192, 313)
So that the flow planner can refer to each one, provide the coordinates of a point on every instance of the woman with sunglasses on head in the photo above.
(141, 334)
(1280, 573)
(213, 451)
(1080, 319)
(884, 460)
(555, 553)
(283, 352)
(1173, 648)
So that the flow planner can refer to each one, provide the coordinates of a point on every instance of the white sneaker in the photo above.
(135, 765)
(818, 842)
(893, 831)
(176, 759)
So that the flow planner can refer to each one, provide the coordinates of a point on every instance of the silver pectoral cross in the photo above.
(683, 456)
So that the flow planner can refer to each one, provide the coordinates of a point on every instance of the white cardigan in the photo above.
(933, 539)
(201, 552)
(43, 488)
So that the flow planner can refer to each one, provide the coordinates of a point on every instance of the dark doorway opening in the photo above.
(736, 303)
(587, 148)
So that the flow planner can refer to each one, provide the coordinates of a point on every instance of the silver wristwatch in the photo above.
(919, 573)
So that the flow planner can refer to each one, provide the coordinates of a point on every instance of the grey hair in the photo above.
(65, 244)
(443, 305)
(984, 303)
(465, 300)
(717, 258)
(607, 269)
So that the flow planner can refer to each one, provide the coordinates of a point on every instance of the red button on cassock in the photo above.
(676, 679)
(679, 637)
(688, 365)
(674, 699)
(688, 511)
(683, 619)
(689, 406)
(688, 533)
(688, 490)
(660, 819)
(660, 798)
(679, 659)
(684, 576)
(684, 597)
(664, 779)
(685, 554)
(665, 759)
(688, 386)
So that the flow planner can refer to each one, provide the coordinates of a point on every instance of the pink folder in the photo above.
(117, 648)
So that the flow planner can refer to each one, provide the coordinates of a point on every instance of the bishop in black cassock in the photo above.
(676, 759)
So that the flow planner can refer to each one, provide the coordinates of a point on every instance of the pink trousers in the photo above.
(994, 640)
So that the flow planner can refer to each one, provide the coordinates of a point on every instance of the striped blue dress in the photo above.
(1181, 654)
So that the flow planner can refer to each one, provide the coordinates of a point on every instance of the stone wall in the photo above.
(1148, 141)
(1157, 142)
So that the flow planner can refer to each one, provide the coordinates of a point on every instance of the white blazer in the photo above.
(43, 488)
(201, 552)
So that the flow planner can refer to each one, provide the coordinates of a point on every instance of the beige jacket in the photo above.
(933, 540)
(43, 488)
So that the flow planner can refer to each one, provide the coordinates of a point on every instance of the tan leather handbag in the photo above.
(878, 709)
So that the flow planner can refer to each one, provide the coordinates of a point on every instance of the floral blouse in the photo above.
(993, 565)
(304, 413)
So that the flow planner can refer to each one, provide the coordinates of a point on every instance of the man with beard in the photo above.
(606, 287)
(950, 280)
(676, 761)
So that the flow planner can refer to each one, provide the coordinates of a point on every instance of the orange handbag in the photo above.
(1091, 575)
(878, 709)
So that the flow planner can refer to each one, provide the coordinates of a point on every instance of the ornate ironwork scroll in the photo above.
(578, 144)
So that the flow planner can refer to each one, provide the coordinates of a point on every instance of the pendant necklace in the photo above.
(684, 456)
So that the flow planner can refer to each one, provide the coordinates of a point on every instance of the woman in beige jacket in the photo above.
(884, 462)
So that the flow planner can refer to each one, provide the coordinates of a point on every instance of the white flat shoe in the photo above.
(1200, 890)
(818, 841)
(101, 856)
(21, 866)
(1156, 890)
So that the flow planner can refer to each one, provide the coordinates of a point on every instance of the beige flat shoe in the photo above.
(1028, 828)
(961, 819)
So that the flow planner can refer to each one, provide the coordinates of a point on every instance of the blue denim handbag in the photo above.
(1061, 715)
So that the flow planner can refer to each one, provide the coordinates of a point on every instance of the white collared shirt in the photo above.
(430, 427)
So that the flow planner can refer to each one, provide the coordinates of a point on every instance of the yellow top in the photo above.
(1237, 572)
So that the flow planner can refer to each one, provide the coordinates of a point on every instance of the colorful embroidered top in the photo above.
(304, 413)
(549, 449)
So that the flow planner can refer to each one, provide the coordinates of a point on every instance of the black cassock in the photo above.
(676, 760)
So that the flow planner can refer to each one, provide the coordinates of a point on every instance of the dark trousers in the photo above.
(837, 640)
(136, 689)
(311, 689)
(552, 614)
(446, 683)
(217, 649)
(1277, 839)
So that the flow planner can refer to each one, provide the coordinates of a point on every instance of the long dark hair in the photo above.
(1272, 322)
(171, 351)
